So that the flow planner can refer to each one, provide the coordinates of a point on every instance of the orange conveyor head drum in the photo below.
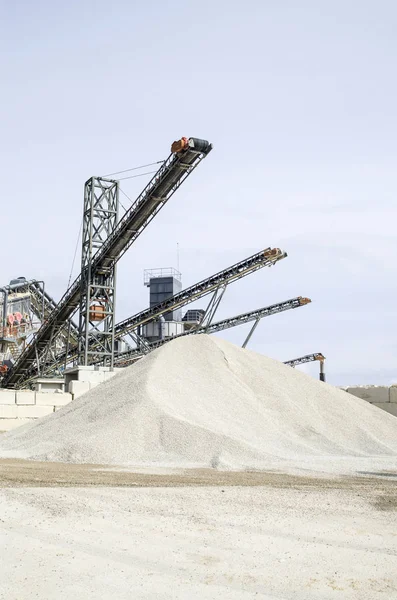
(269, 252)
(303, 301)
(179, 145)
(320, 357)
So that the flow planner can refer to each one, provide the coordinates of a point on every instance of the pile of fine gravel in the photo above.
(201, 401)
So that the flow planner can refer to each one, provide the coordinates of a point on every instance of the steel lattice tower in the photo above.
(98, 286)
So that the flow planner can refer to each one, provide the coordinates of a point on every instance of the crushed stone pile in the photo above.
(203, 402)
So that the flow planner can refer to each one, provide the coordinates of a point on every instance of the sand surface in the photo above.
(307, 539)
(203, 402)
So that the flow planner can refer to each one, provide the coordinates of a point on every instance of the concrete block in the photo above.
(8, 411)
(93, 384)
(33, 412)
(7, 397)
(92, 376)
(389, 407)
(88, 374)
(371, 393)
(78, 388)
(8, 424)
(49, 384)
(47, 399)
(26, 397)
(392, 394)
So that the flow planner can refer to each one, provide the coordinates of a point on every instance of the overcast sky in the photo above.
(299, 101)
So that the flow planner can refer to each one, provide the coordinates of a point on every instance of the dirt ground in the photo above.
(379, 488)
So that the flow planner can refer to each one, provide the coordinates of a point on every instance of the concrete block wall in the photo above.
(78, 388)
(20, 407)
(80, 380)
(392, 395)
(383, 397)
(23, 406)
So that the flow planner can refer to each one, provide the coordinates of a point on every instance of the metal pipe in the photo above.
(322, 372)
(42, 297)
(38, 361)
(67, 345)
(247, 339)
(161, 327)
(217, 301)
(5, 301)
(4, 318)
(42, 302)
(5, 297)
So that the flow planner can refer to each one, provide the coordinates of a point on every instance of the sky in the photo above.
(299, 101)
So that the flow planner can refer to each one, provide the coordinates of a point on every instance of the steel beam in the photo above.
(251, 332)
(97, 290)
(125, 358)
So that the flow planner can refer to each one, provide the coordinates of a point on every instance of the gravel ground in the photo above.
(197, 535)
(118, 508)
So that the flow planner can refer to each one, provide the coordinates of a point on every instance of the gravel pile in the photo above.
(201, 401)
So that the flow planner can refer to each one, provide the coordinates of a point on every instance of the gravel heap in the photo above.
(201, 401)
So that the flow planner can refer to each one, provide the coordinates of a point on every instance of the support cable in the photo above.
(126, 195)
(139, 175)
(158, 162)
(75, 254)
